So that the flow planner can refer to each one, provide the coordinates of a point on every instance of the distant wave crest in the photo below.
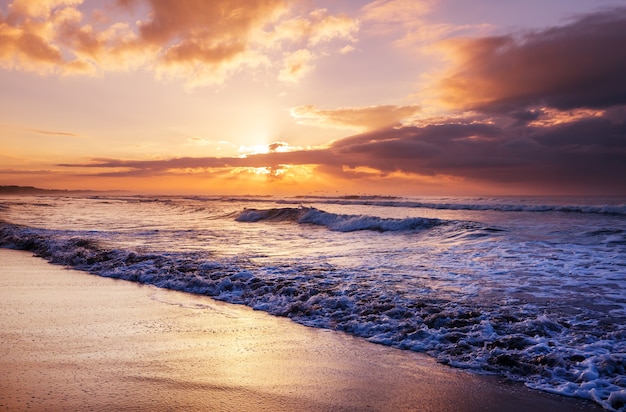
(619, 209)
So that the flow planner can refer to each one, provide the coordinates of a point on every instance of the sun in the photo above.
(274, 147)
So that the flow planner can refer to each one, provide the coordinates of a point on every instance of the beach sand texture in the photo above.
(73, 341)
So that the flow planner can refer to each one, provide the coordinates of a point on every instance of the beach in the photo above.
(75, 341)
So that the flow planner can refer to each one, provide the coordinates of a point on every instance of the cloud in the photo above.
(196, 21)
(359, 118)
(386, 15)
(295, 66)
(39, 8)
(314, 28)
(408, 21)
(578, 65)
(347, 49)
(26, 172)
(55, 133)
(26, 47)
(49, 37)
(202, 42)
(324, 28)
(205, 41)
(586, 155)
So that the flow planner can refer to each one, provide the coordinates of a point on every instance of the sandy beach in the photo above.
(73, 341)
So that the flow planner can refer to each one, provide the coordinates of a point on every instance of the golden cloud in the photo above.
(26, 47)
(202, 42)
(38, 8)
(315, 28)
(296, 65)
(358, 118)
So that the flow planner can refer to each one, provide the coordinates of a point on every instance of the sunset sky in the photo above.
(390, 97)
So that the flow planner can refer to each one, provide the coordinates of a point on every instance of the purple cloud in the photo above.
(581, 64)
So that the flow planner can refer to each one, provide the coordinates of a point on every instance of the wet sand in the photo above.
(73, 341)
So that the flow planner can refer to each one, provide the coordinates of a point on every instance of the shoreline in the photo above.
(75, 341)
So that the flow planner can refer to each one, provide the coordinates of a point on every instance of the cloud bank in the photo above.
(582, 156)
(547, 111)
(202, 42)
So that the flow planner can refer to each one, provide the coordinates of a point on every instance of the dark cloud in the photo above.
(525, 116)
(584, 156)
(585, 133)
(579, 65)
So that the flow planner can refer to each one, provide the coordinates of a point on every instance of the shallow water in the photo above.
(531, 288)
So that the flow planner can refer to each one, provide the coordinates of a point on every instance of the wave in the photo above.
(277, 214)
(576, 357)
(338, 222)
(606, 209)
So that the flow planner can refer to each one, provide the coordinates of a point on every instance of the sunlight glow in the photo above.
(274, 147)
(390, 96)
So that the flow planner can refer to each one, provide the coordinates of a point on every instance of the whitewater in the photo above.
(532, 289)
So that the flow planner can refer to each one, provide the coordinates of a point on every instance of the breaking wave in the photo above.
(338, 222)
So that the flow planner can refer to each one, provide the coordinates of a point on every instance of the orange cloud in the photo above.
(296, 65)
(206, 41)
(50, 37)
(358, 118)
(200, 21)
(323, 28)
(312, 29)
(26, 45)
(38, 8)
(202, 42)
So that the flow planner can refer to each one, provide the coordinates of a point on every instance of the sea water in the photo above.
(533, 289)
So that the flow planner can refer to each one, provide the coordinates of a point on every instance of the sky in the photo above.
(315, 97)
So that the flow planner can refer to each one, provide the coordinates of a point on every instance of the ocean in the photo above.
(529, 288)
